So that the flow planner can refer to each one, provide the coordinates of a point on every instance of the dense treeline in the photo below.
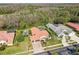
(10, 9)
(21, 17)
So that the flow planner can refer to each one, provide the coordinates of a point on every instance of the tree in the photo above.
(61, 20)
(2, 23)
(74, 19)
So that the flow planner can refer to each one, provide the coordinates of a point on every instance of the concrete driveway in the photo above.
(74, 38)
(37, 47)
(64, 42)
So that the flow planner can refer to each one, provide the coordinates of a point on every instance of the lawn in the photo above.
(54, 39)
(12, 50)
(21, 44)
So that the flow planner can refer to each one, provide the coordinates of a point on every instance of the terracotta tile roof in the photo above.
(8, 37)
(37, 33)
(75, 26)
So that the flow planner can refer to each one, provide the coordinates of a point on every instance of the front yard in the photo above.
(54, 39)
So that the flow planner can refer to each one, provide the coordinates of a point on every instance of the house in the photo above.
(73, 25)
(38, 34)
(55, 28)
(7, 37)
(59, 29)
(66, 30)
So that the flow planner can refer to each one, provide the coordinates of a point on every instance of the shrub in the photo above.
(2, 47)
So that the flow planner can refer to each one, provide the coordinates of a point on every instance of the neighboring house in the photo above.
(7, 37)
(60, 29)
(38, 34)
(55, 28)
(66, 30)
(73, 25)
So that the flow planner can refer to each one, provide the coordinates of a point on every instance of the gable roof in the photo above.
(7, 36)
(75, 26)
(37, 33)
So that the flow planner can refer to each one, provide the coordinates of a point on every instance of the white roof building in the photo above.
(59, 29)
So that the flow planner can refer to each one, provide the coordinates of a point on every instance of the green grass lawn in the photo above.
(12, 50)
(20, 47)
(54, 39)
(53, 42)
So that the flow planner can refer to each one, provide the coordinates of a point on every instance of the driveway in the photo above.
(74, 38)
(37, 47)
(64, 42)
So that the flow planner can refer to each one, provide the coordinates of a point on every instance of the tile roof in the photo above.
(8, 37)
(75, 26)
(37, 33)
